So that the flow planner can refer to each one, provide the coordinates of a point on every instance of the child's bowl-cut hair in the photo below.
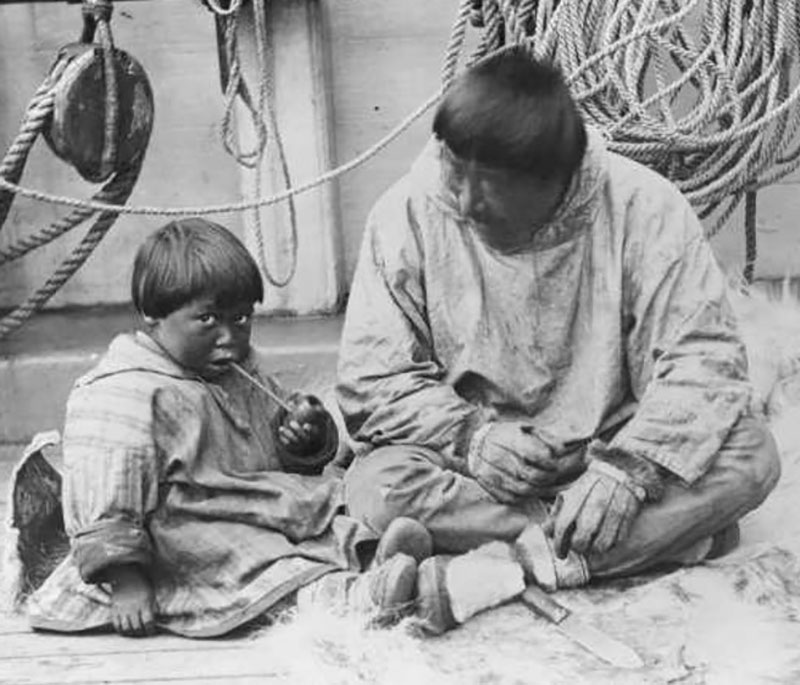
(513, 111)
(191, 258)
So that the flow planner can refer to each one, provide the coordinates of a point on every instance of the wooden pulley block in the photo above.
(76, 132)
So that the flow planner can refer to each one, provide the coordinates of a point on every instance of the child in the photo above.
(192, 492)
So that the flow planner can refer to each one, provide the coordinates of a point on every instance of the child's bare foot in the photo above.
(132, 601)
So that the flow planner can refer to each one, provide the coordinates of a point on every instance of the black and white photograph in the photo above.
(376, 342)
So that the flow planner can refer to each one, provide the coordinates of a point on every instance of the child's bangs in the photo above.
(231, 284)
(226, 276)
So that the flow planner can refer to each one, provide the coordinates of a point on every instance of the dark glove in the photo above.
(512, 462)
(598, 509)
(305, 432)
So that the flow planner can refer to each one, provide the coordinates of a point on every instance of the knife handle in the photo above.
(544, 605)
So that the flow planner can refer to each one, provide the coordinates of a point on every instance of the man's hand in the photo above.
(132, 601)
(595, 512)
(512, 462)
(302, 430)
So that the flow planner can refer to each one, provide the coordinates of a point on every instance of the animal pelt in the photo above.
(34, 539)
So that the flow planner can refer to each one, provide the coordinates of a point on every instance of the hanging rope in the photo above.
(39, 110)
(125, 182)
(112, 192)
(244, 206)
(714, 109)
(737, 135)
(38, 115)
(262, 118)
(466, 13)
(9, 185)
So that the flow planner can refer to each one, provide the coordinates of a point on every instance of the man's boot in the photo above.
(404, 536)
(451, 589)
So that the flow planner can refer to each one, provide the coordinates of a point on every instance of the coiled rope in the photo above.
(713, 109)
(262, 117)
(629, 62)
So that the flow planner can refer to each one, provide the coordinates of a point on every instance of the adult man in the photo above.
(524, 293)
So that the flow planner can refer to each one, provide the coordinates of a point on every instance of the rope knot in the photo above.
(476, 14)
(99, 10)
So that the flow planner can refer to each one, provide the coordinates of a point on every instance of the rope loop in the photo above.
(476, 14)
(216, 8)
(262, 118)
(99, 10)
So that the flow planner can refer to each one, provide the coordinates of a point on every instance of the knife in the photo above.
(597, 642)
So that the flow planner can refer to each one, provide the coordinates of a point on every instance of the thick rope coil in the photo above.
(714, 109)
(453, 50)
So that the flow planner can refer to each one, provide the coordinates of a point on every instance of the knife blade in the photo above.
(604, 646)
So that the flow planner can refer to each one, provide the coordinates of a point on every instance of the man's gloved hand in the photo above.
(598, 509)
(511, 461)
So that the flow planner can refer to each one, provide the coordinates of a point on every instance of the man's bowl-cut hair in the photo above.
(513, 111)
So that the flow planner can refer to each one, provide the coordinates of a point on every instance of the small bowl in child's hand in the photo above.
(305, 458)
(307, 409)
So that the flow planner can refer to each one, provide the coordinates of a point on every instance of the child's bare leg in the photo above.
(132, 601)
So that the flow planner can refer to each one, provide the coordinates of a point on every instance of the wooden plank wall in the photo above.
(386, 60)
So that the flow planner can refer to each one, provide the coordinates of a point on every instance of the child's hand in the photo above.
(308, 436)
(303, 429)
(132, 601)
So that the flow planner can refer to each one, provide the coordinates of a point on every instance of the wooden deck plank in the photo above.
(194, 680)
(36, 644)
(10, 625)
(227, 665)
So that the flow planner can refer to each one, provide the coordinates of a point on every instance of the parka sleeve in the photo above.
(687, 362)
(110, 478)
(391, 388)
